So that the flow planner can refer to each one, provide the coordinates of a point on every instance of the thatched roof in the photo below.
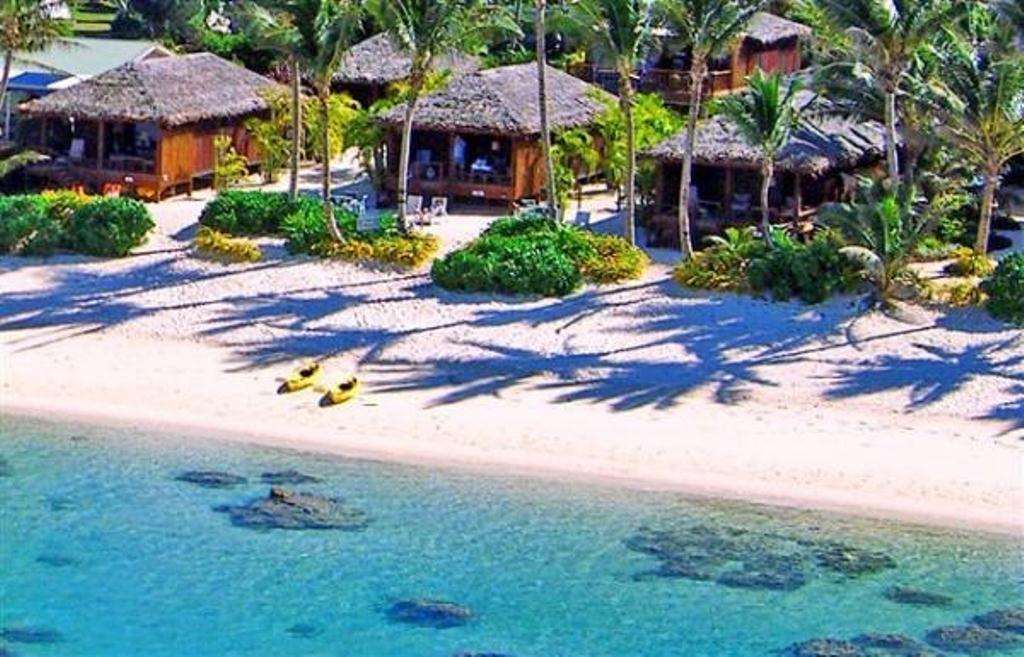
(171, 91)
(767, 29)
(820, 145)
(504, 101)
(379, 60)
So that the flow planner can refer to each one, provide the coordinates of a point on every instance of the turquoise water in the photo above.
(136, 563)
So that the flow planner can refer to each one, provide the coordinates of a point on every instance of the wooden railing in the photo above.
(441, 172)
(672, 84)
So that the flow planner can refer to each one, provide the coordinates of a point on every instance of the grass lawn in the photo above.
(93, 19)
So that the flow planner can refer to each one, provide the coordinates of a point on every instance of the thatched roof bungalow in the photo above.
(480, 136)
(769, 42)
(370, 66)
(149, 125)
(815, 166)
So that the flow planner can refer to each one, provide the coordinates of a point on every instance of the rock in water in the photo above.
(31, 635)
(825, 648)
(284, 509)
(305, 630)
(437, 614)
(970, 639)
(211, 478)
(291, 477)
(906, 595)
(1004, 620)
(852, 561)
(896, 645)
(5, 468)
(56, 560)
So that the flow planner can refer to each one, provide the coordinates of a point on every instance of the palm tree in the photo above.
(26, 25)
(273, 29)
(622, 29)
(540, 32)
(316, 34)
(766, 117)
(885, 37)
(706, 27)
(883, 228)
(12, 163)
(426, 30)
(983, 117)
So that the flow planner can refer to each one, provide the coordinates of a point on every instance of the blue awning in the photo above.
(34, 82)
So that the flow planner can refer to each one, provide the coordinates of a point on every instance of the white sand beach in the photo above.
(826, 407)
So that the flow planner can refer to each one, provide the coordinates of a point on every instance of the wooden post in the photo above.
(797, 197)
(100, 139)
(727, 201)
(738, 74)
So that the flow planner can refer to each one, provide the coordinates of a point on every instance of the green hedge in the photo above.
(306, 232)
(249, 213)
(741, 262)
(537, 256)
(1005, 290)
(39, 225)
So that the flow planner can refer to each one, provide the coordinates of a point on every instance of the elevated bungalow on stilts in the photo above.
(146, 127)
(479, 137)
(769, 42)
(819, 164)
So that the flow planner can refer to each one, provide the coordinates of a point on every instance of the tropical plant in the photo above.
(342, 113)
(723, 264)
(12, 163)
(622, 29)
(367, 135)
(426, 30)
(983, 112)
(654, 122)
(271, 135)
(706, 27)
(883, 229)
(541, 51)
(220, 246)
(575, 154)
(109, 227)
(236, 212)
(1005, 289)
(885, 37)
(315, 34)
(229, 167)
(766, 117)
(25, 25)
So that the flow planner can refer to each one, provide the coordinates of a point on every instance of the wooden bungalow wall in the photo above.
(188, 152)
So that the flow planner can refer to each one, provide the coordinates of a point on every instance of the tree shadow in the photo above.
(933, 375)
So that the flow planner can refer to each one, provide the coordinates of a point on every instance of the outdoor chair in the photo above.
(582, 219)
(741, 206)
(439, 206)
(413, 204)
(77, 151)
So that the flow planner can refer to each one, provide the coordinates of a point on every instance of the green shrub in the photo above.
(220, 246)
(932, 248)
(534, 255)
(109, 227)
(723, 264)
(969, 262)
(305, 228)
(27, 226)
(249, 213)
(1005, 289)
(62, 204)
(812, 273)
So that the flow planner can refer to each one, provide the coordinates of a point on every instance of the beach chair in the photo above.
(582, 219)
(439, 207)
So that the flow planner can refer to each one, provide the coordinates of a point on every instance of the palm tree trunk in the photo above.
(696, 88)
(540, 31)
(767, 173)
(293, 181)
(416, 85)
(626, 102)
(5, 78)
(325, 179)
(892, 159)
(988, 195)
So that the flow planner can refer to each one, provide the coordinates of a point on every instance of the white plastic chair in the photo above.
(439, 206)
(77, 151)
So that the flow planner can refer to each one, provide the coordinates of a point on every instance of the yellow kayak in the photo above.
(342, 392)
(302, 378)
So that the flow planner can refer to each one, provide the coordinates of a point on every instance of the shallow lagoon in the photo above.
(103, 545)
